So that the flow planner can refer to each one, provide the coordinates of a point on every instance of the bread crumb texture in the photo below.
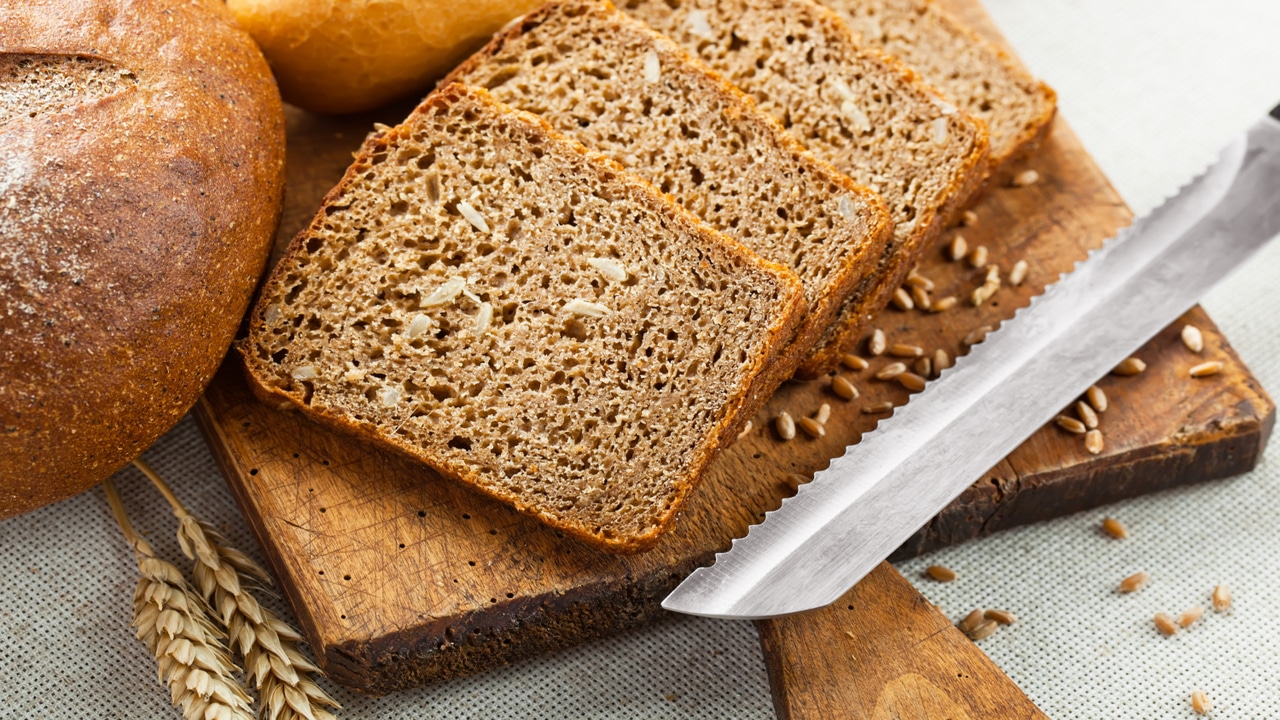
(614, 85)
(968, 69)
(855, 108)
(570, 342)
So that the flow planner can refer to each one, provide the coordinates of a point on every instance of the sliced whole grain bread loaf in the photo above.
(864, 112)
(613, 84)
(491, 298)
(968, 69)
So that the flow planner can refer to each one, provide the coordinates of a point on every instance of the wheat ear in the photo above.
(174, 623)
(224, 575)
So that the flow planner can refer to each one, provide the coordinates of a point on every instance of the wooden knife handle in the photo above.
(883, 652)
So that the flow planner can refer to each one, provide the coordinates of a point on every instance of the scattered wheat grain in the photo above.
(1200, 703)
(853, 362)
(921, 298)
(843, 388)
(1070, 424)
(823, 414)
(969, 218)
(1221, 598)
(911, 381)
(785, 425)
(1192, 338)
(1166, 624)
(1025, 178)
(1087, 415)
(985, 629)
(978, 258)
(1190, 616)
(746, 430)
(905, 351)
(971, 620)
(877, 343)
(941, 573)
(1112, 527)
(902, 300)
(1093, 442)
(811, 427)
(1097, 398)
(941, 360)
(890, 371)
(1018, 273)
(977, 335)
(1205, 369)
(943, 304)
(1004, 617)
(957, 248)
(1129, 366)
(1134, 582)
(923, 367)
(877, 408)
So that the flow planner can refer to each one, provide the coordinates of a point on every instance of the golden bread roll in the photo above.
(344, 56)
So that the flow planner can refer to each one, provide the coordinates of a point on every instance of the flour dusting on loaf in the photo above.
(486, 296)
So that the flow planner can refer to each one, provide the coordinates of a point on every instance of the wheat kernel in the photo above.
(1205, 369)
(1129, 366)
(1134, 582)
(1093, 442)
(853, 362)
(957, 249)
(1112, 527)
(923, 367)
(1192, 338)
(976, 336)
(1221, 598)
(1025, 178)
(1166, 624)
(943, 304)
(905, 351)
(941, 573)
(1070, 424)
(877, 343)
(1018, 273)
(969, 218)
(823, 414)
(978, 258)
(902, 300)
(1200, 703)
(843, 388)
(877, 408)
(911, 381)
(916, 280)
(785, 425)
(1087, 415)
(811, 427)
(891, 371)
(1097, 398)
(985, 629)
(941, 360)
(1190, 616)
(921, 298)
(746, 430)
(1004, 617)
(971, 620)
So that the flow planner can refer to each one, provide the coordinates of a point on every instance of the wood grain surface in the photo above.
(400, 578)
(884, 652)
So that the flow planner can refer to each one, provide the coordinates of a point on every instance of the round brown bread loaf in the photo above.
(141, 173)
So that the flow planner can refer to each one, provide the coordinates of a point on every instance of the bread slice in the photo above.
(490, 298)
(862, 111)
(616, 86)
(969, 70)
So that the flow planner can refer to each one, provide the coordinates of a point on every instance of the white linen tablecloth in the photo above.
(1154, 88)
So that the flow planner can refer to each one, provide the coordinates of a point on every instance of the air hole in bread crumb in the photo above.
(460, 443)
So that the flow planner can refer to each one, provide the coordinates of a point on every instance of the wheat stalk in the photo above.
(269, 646)
(174, 623)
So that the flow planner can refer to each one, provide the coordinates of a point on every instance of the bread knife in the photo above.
(854, 513)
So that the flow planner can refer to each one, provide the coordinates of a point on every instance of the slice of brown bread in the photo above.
(487, 296)
(970, 70)
(613, 84)
(867, 114)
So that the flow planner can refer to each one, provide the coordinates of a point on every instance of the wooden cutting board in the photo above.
(400, 578)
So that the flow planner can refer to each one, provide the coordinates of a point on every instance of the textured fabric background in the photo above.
(1153, 87)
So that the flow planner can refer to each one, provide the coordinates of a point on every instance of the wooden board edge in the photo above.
(883, 651)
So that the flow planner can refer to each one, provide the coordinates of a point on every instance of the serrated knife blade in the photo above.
(868, 501)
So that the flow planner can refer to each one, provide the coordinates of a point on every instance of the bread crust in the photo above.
(757, 384)
(136, 214)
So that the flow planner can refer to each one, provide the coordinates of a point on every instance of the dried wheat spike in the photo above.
(174, 623)
(269, 646)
